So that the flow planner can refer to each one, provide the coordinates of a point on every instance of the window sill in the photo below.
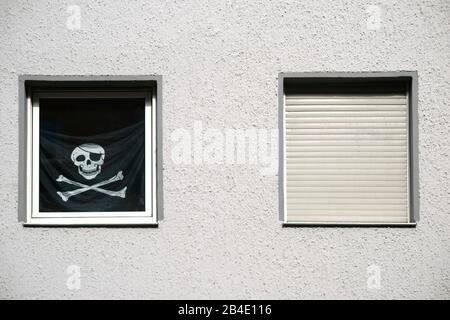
(349, 225)
(132, 222)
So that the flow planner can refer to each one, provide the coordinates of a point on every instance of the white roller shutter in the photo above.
(346, 158)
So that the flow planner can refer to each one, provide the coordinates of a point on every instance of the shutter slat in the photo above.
(317, 207)
(345, 183)
(315, 114)
(323, 107)
(348, 100)
(346, 125)
(320, 143)
(350, 200)
(344, 160)
(353, 219)
(346, 154)
(346, 96)
(324, 131)
(345, 177)
(346, 157)
(346, 189)
(331, 137)
(378, 196)
(346, 212)
(340, 171)
(353, 148)
(346, 120)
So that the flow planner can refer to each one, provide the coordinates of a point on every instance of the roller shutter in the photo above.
(346, 157)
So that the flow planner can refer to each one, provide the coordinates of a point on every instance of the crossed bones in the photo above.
(83, 187)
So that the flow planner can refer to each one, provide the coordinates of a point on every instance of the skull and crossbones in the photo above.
(89, 158)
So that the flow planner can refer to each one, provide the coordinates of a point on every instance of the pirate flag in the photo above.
(92, 155)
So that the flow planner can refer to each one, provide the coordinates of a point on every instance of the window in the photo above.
(91, 153)
(349, 148)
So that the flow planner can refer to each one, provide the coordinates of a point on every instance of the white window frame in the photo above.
(34, 217)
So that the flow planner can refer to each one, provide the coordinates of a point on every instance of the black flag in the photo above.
(92, 155)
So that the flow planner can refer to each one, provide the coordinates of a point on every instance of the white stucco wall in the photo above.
(221, 237)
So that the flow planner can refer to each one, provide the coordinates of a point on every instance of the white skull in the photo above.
(89, 158)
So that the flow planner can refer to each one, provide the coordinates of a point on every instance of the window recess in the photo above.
(347, 155)
(89, 152)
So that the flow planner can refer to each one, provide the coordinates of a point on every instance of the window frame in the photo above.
(147, 89)
(409, 77)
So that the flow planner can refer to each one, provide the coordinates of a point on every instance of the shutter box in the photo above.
(346, 150)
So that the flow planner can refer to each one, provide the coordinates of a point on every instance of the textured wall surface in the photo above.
(221, 237)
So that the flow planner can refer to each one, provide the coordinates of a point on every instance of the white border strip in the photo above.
(34, 217)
